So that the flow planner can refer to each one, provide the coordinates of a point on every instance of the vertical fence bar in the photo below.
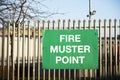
(116, 47)
(100, 49)
(23, 53)
(18, 51)
(8, 51)
(105, 47)
(84, 24)
(28, 55)
(90, 24)
(64, 69)
(44, 69)
(48, 69)
(74, 27)
(59, 69)
(79, 24)
(95, 71)
(34, 48)
(69, 75)
(39, 49)
(13, 50)
(80, 71)
(85, 71)
(110, 35)
(74, 24)
(54, 69)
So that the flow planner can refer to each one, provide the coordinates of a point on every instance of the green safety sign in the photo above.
(70, 49)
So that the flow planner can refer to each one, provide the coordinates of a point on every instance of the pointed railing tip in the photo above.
(105, 20)
(110, 20)
(94, 21)
(53, 21)
(43, 21)
(79, 21)
(64, 20)
(74, 21)
(69, 20)
(100, 20)
(58, 20)
(48, 21)
(115, 20)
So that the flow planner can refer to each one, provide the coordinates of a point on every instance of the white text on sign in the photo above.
(70, 49)
(70, 38)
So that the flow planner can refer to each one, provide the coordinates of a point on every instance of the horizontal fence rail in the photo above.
(21, 50)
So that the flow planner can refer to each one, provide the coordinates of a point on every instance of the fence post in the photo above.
(69, 76)
(59, 69)
(95, 71)
(39, 49)
(8, 51)
(13, 50)
(100, 49)
(116, 47)
(18, 53)
(23, 53)
(110, 35)
(34, 48)
(80, 71)
(28, 55)
(64, 69)
(105, 47)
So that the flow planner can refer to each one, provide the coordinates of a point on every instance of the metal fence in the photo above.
(21, 50)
